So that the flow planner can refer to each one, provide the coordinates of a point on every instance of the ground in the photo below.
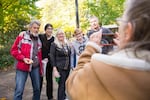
(7, 86)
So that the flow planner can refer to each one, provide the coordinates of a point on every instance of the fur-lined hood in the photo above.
(126, 59)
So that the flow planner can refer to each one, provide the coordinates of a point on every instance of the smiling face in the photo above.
(78, 34)
(94, 23)
(34, 28)
(61, 36)
(49, 31)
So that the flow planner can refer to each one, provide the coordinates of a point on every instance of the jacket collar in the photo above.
(125, 59)
(27, 36)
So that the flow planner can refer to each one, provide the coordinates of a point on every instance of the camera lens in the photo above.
(104, 41)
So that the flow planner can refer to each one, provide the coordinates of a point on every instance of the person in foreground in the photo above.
(123, 75)
(27, 52)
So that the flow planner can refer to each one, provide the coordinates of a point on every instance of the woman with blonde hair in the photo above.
(60, 53)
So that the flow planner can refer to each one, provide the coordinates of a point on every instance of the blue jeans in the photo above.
(21, 77)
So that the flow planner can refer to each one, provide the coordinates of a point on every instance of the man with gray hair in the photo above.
(27, 52)
(96, 26)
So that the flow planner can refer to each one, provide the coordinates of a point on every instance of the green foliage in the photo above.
(106, 10)
(5, 59)
(6, 41)
(15, 15)
(61, 13)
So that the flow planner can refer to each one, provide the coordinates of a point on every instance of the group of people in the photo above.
(95, 75)
(31, 49)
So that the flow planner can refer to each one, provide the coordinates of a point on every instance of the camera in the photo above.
(107, 39)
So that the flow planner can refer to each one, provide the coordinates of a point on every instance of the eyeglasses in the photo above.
(78, 34)
(49, 28)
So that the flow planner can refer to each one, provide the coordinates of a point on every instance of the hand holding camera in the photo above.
(108, 39)
(116, 40)
(96, 37)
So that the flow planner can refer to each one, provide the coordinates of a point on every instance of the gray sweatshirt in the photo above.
(77, 49)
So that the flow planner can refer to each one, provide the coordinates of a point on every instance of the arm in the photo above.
(86, 55)
(77, 78)
(73, 57)
(15, 52)
(53, 54)
(53, 59)
(93, 46)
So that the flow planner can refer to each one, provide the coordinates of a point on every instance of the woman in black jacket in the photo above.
(60, 52)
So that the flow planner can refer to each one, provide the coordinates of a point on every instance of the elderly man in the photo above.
(27, 52)
(96, 26)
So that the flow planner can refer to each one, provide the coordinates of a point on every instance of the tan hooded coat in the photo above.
(120, 76)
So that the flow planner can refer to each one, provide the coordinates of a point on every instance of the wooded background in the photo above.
(15, 15)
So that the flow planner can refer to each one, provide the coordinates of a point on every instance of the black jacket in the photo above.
(59, 57)
(45, 45)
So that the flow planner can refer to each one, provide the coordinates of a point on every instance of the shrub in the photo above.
(6, 59)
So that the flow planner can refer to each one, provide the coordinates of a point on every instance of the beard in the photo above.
(34, 34)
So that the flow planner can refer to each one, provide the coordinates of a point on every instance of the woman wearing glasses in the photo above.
(123, 75)
(60, 53)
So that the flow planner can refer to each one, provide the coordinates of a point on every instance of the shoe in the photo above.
(52, 99)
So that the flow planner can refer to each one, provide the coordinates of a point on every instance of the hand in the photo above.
(96, 37)
(116, 40)
(28, 61)
(45, 59)
(56, 73)
(72, 68)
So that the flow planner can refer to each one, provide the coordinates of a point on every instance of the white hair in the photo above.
(34, 22)
(59, 43)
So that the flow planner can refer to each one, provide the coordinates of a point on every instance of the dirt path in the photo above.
(7, 85)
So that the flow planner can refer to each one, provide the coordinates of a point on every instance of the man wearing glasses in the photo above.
(46, 40)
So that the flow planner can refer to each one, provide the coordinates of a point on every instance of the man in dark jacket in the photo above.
(96, 26)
